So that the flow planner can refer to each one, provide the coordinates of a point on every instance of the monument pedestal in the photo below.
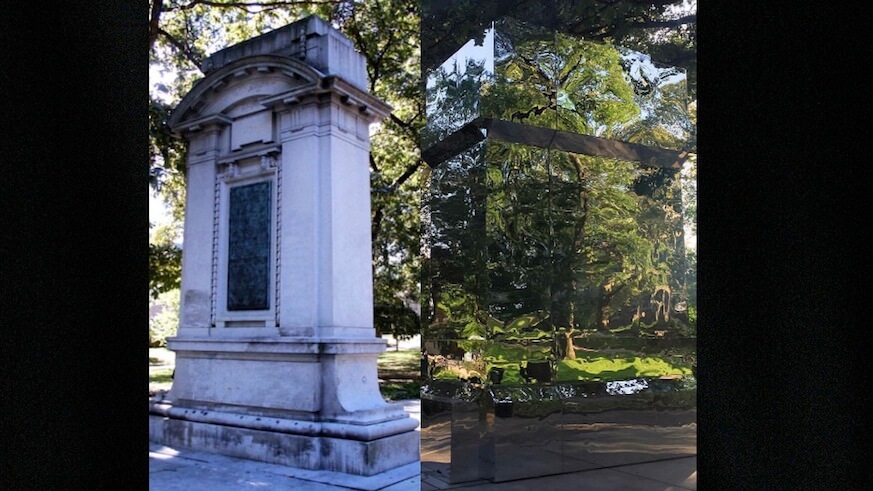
(276, 351)
(308, 403)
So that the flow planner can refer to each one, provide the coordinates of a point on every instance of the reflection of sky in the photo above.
(640, 68)
(632, 386)
(470, 51)
(642, 65)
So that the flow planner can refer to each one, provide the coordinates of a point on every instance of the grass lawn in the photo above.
(399, 373)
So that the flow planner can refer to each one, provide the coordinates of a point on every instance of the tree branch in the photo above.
(154, 19)
(600, 32)
(406, 175)
(377, 63)
(406, 126)
(377, 221)
(183, 48)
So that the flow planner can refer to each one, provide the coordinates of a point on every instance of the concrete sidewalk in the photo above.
(173, 469)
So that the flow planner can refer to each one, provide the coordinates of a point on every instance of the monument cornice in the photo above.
(189, 106)
(202, 123)
(348, 94)
(311, 83)
(260, 151)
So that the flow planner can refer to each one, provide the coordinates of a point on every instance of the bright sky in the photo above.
(158, 214)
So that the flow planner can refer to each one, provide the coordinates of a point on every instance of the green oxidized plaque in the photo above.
(248, 259)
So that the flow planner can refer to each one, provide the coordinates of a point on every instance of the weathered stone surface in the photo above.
(308, 452)
(276, 351)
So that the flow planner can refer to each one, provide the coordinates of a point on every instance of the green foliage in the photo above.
(165, 268)
(607, 368)
(161, 376)
(165, 260)
(165, 321)
(393, 391)
(399, 362)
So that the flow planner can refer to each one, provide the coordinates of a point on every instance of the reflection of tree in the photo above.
(595, 97)
(537, 247)
(585, 240)
(517, 226)
(568, 235)
(453, 97)
(455, 250)
(647, 26)
(550, 79)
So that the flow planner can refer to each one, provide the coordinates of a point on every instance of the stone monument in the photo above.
(276, 350)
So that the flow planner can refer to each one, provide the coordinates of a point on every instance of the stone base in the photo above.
(316, 452)
(309, 403)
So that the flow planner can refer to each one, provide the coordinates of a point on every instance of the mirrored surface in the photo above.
(453, 90)
(522, 72)
(557, 324)
(559, 330)
(524, 83)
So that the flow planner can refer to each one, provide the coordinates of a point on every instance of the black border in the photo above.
(74, 261)
(778, 243)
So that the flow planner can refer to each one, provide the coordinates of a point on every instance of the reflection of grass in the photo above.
(615, 368)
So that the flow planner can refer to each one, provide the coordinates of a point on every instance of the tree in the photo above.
(181, 35)
(165, 261)
(163, 317)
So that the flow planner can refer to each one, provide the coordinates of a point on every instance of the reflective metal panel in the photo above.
(522, 72)
(524, 86)
(526, 432)
(558, 328)
(453, 90)
(635, 420)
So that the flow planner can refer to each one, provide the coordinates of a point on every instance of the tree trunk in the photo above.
(602, 303)
(571, 350)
